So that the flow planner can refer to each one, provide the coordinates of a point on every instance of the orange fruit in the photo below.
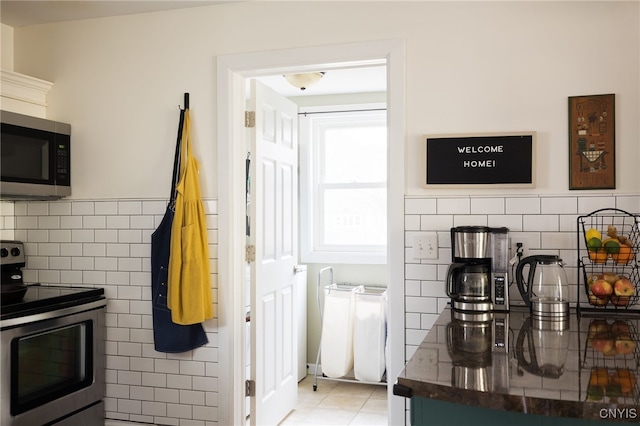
(625, 378)
(599, 377)
(598, 256)
(624, 255)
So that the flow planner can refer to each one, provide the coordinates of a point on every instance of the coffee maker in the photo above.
(479, 350)
(477, 279)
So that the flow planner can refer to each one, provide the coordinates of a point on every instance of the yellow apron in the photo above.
(189, 297)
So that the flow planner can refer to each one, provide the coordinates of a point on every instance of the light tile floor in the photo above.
(338, 403)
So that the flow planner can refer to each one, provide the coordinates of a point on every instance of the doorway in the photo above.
(232, 72)
(342, 174)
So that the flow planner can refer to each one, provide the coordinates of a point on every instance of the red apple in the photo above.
(604, 345)
(624, 346)
(598, 300)
(620, 300)
(610, 277)
(619, 327)
(593, 278)
(623, 287)
(601, 287)
(598, 327)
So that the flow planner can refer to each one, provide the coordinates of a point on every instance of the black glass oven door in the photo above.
(50, 364)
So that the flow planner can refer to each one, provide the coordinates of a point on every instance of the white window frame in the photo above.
(311, 206)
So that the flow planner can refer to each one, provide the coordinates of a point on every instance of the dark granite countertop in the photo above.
(574, 369)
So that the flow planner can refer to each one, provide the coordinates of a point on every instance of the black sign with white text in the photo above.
(480, 160)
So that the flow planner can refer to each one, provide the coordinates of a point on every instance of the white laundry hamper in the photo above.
(336, 343)
(370, 334)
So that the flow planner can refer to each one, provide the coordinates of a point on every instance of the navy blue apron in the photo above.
(167, 336)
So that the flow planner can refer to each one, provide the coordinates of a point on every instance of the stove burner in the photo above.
(18, 299)
(40, 298)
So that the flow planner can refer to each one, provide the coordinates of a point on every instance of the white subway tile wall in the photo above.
(544, 224)
(106, 243)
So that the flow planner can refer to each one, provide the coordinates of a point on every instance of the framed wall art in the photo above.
(592, 142)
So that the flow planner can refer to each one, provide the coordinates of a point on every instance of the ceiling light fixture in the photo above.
(303, 80)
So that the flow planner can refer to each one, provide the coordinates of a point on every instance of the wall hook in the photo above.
(186, 102)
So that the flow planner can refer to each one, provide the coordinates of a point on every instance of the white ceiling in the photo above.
(18, 13)
(337, 81)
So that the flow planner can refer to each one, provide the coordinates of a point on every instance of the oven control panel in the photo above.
(11, 253)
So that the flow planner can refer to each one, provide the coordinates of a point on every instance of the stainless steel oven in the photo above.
(52, 357)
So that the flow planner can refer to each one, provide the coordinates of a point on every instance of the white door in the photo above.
(274, 212)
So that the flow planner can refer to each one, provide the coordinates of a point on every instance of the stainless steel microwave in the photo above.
(35, 158)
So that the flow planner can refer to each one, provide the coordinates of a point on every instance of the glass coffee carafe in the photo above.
(545, 290)
(468, 286)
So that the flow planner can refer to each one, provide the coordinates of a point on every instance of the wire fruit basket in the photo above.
(609, 363)
(608, 260)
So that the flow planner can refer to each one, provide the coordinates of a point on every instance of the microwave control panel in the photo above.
(62, 157)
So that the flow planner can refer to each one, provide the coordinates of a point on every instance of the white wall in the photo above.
(471, 67)
(6, 50)
(511, 66)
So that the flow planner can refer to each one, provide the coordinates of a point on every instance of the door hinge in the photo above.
(249, 388)
(249, 119)
(250, 253)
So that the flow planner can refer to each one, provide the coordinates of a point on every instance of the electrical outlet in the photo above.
(517, 253)
(430, 356)
(425, 246)
(528, 242)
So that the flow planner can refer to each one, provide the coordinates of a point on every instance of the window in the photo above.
(343, 175)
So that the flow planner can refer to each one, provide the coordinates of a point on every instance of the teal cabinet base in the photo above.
(431, 412)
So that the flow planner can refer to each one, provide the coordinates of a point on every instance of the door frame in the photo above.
(232, 70)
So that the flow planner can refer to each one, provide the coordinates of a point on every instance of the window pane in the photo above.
(355, 217)
(345, 153)
(355, 153)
